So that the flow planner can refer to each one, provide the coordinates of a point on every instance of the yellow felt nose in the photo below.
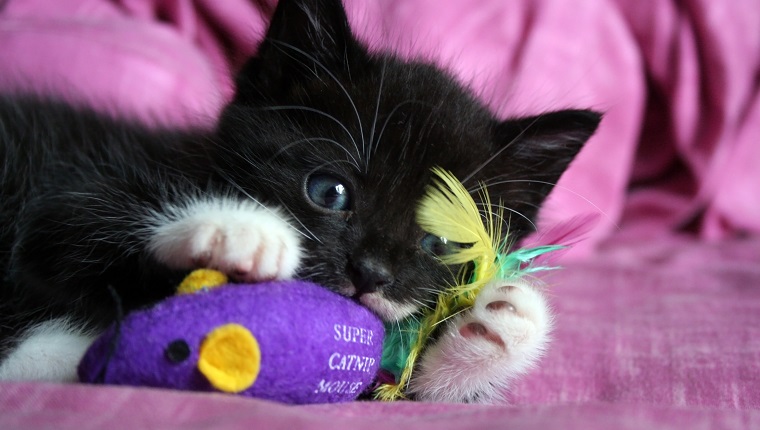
(230, 358)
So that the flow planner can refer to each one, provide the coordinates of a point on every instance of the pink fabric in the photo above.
(43, 406)
(658, 329)
(84, 408)
(671, 322)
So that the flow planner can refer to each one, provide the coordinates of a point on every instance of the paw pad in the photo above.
(501, 305)
(476, 329)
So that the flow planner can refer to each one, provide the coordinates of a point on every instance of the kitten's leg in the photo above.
(49, 351)
(239, 237)
(481, 351)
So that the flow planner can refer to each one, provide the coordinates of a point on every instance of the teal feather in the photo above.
(518, 263)
(399, 338)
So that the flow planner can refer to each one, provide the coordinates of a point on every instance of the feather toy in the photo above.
(448, 211)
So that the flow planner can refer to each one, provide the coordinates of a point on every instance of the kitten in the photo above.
(313, 170)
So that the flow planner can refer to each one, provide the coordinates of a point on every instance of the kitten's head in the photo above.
(345, 140)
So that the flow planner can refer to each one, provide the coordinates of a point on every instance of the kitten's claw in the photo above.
(483, 350)
(243, 240)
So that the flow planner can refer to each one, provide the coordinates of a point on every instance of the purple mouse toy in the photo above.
(288, 341)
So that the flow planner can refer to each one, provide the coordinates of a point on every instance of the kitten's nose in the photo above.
(369, 276)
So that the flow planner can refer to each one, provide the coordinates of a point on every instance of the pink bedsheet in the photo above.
(659, 312)
(84, 408)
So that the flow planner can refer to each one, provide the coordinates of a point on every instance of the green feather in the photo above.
(399, 338)
(518, 263)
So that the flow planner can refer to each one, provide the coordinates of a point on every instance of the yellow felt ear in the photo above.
(201, 279)
(230, 358)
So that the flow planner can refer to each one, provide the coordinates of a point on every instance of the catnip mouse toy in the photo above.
(288, 341)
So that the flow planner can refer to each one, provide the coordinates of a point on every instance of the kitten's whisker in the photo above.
(266, 208)
(501, 179)
(426, 127)
(398, 325)
(319, 112)
(374, 120)
(485, 207)
(331, 75)
(327, 163)
(422, 304)
(516, 212)
(502, 149)
(390, 116)
(312, 270)
(293, 215)
(316, 139)
(509, 181)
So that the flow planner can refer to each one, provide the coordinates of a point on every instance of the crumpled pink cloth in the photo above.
(117, 408)
(677, 80)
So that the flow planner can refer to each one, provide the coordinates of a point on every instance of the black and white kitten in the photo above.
(314, 170)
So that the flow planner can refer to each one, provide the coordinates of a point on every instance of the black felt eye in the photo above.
(438, 246)
(328, 192)
(177, 351)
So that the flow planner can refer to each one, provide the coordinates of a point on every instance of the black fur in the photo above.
(77, 186)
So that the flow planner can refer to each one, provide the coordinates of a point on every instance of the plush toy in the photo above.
(290, 341)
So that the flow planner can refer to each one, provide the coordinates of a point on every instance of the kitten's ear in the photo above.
(306, 38)
(530, 156)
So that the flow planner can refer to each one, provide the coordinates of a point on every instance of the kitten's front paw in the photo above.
(484, 349)
(242, 239)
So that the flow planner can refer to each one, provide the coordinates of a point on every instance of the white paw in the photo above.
(49, 351)
(240, 238)
(481, 351)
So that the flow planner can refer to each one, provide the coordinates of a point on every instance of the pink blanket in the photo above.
(659, 311)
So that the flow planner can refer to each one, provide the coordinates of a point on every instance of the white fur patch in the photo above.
(483, 350)
(386, 309)
(49, 351)
(239, 237)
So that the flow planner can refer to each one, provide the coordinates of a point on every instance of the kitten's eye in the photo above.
(328, 192)
(439, 246)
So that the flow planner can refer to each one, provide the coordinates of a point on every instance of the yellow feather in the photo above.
(448, 211)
